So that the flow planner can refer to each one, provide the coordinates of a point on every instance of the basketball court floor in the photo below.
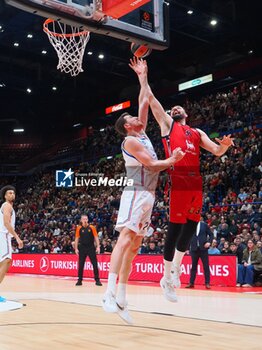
(47, 312)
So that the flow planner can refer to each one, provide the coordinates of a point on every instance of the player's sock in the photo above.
(178, 258)
(176, 268)
(167, 270)
(111, 284)
(121, 294)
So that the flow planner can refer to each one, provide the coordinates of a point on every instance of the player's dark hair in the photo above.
(119, 124)
(4, 190)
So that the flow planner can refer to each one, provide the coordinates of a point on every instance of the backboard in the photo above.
(148, 24)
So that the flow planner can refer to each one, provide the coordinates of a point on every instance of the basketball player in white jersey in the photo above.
(7, 231)
(136, 203)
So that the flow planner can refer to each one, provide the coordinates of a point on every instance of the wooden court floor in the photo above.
(58, 315)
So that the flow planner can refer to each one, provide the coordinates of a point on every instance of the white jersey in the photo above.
(5, 236)
(3, 229)
(142, 177)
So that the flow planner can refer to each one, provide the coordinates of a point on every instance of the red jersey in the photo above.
(188, 140)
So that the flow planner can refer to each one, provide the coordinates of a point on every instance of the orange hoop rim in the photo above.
(47, 31)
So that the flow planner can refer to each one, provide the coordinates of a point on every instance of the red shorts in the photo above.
(185, 198)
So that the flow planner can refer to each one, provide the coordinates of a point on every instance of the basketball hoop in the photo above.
(69, 43)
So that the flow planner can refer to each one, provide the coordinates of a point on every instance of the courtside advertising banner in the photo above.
(144, 267)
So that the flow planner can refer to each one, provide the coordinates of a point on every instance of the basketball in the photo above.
(140, 51)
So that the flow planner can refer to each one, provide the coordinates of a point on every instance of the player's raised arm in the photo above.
(143, 108)
(163, 119)
(143, 100)
(138, 151)
(217, 149)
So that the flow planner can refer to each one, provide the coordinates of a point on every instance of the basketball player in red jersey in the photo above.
(185, 180)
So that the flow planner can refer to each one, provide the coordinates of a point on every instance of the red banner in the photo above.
(119, 8)
(118, 107)
(144, 267)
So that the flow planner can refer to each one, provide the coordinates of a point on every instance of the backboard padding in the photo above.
(146, 25)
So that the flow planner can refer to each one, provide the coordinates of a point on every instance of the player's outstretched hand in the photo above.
(226, 141)
(138, 65)
(177, 154)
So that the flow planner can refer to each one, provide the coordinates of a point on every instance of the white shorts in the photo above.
(5, 246)
(135, 210)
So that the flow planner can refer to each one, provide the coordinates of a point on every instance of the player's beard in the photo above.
(178, 117)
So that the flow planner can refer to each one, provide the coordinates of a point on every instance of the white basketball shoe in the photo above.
(109, 302)
(124, 313)
(168, 289)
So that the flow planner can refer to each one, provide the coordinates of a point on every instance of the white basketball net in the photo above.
(69, 43)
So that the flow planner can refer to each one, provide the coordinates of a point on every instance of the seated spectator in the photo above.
(15, 248)
(221, 243)
(34, 246)
(226, 248)
(233, 228)
(240, 247)
(55, 248)
(233, 248)
(256, 227)
(213, 228)
(152, 249)
(40, 248)
(106, 247)
(242, 195)
(46, 247)
(252, 260)
(260, 193)
(223, 231)
(144, 245)
(160, 245)
(67, 247)
(213, 249)
(246, 206)
(234, 251)
(255, 236)
(259, 245)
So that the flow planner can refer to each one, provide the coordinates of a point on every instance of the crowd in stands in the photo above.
(232, 205)
(239, 108)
